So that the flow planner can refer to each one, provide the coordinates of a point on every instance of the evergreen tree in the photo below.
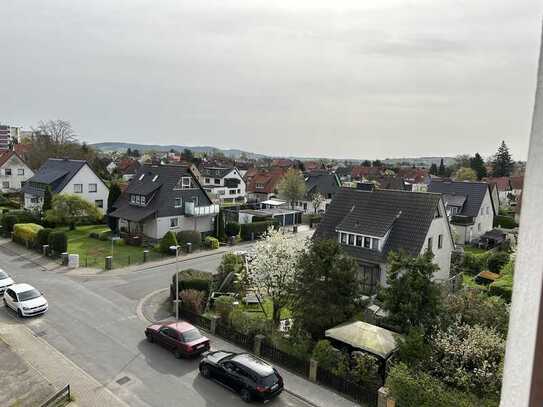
(433, 169)
(47, 199)
(478, 165)
(442, 171)
(219, 226)
(366, 163)
(503, 164)
(114, 194)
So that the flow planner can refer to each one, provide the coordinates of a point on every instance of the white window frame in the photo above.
(440, 242)
(174, 223)
(180, 205)
(95, 188)
(101, 203)
(8, 172)
(75, 188)
(20, 171)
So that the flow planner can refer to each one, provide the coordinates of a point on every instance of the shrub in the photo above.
(105, 235)
(224, 305)
(248, 324)
(365, 368)
(195, 284)
(475, 263)
(58, 241)
(497, 260)
(43, 236)
(211, 242)
(8, 221)
(26, 217)
(324, 354)
(256, 228)
(413, 349)
(192, 300)
(232, 229)
(189, 236)
(26, 231)
(192, 279)
(167, 241)
(503, 287)
(506, 222)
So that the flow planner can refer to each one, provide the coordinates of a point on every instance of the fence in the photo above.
(195, 319)
(240, 339)
(366, 393)
(270, 352)
(60, 398)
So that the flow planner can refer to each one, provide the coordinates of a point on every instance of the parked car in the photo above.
(182, 338)
(244, 373)
(5, 281)
(25, 300)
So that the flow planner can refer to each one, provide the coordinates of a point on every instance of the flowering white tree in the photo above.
(273, 268)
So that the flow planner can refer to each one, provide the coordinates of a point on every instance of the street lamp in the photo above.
(176, 300)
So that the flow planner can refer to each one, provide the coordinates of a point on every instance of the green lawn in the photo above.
(469, 281)
(93, 251)
(473, 250)
(256, 310)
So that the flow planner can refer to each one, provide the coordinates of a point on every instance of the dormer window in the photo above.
(136, 199)
(354, 239)
(259, 186)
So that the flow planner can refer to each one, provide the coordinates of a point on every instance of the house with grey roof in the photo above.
(162, 198)
(65, 176)
(318, 182)
(469, 206)
(370, 223)
(225, 184)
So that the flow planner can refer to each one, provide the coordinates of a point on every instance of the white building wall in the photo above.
(86, 176)
(161, 226)
(222, 192)
(14, 180)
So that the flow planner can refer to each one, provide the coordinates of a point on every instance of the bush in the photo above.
(256, 228)
(192, 300)
(26, 217)
(505, 222)
(8, 221)
(365, 369)
(167, 241)
(413, 349)
(475, 263)
(503, 287)
(58, 241)
(195, 284)
(248, 324)
(189, 236)
(43, 236)
(497, 260)
(232, 229)
(26, 231)
(105, 235)
(224, 305)
(192, 279)
(211, 242)
(324, 354)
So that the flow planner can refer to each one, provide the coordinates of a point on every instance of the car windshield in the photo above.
(29, 295)
(192, 335)
(3, 275)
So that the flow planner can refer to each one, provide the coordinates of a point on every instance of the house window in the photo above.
(133, 199)
(488, 210)
(232, 192)
(375, 244)
(367, 242)
(207, 181)
(186, 182)
(93, 187)
(20, 171)
(137, 199)
(359, 241)
(259, 186)
(351, 239)
(479, 227)
(174, 222)
(7, 171)
(34, 200)
(5, 184)
(178, 203)
(78, 188)
(239, 191)
(430, 244)
(99, 203)
(217, 181)
(343, 238)
(440, 242)
(305, 206)
(142, 199)
(195, 200)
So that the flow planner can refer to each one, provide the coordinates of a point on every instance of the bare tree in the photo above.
(59, 131)
(316, 200)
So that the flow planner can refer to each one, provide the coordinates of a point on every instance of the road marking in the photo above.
(139, 307)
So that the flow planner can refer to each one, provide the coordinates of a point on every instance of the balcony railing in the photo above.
(192, 210)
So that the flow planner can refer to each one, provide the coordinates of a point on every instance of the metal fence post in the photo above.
(313, 368)
(258, 344)
(213, 323)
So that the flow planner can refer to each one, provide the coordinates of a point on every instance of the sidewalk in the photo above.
(56, 368)
(153, 309)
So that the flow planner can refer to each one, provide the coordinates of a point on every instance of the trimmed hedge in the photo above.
(8, 221)
(211, 242)
(232, 229)
(26, 231)
(192, 279)
(43, 236)
(58, 241)
(189, 236)
(167, 241)
(256, 228)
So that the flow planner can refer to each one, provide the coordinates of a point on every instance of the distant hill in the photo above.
(117, 146)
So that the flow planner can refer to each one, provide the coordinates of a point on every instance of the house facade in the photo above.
(162, 198)
(264, 184)
(13, 172)
(469, 207)
(369, 224)
(226, 184)
(318, 182)
(65, 176)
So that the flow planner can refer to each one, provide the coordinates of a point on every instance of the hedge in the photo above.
(256, 228)
(232, 229)
(192, 279)
(496, 261)
(27, 231)
(43, 236)
(167, 241)
(58, 241)
(8, 221)
(211, 242)
(506, 222)
(189, 236)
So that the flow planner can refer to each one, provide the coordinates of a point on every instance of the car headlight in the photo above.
(26, 308)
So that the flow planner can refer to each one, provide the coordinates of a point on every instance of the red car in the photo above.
(180, 337)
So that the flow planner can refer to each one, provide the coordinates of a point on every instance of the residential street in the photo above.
(93, 322)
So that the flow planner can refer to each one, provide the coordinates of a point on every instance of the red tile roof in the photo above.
(6, 155)
(359, 171)
(268, 179)
(502, 183)
(516, 182)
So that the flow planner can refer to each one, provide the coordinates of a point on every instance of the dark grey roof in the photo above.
(215, 172)
(454, 200)
(161, 193)
(409, 213)
(391, 182)
(473, 191)
(321, 182)
(55, 172)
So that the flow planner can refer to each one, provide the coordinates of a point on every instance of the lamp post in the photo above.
(176, 300)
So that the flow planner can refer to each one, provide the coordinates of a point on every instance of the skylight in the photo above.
(141, 177)
(155, 178)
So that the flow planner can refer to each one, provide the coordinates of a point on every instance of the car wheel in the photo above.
(204, 370)
(245, 395)
(19, 313)
(150, 338)
(177, 353)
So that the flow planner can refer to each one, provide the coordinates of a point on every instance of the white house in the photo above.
(318, 182)
(469, 207)
(227, 184)
(371, 223)
(162, 198)
(65, 176)
(13, 172)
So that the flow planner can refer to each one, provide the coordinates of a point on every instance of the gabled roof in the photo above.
(454, 200)
(516, 182)
(359, 171)
(7, 155)
(473, 191)
(215, 172)
(55, 172)
(391, 182)
(321, 182)
(161, 193)
(268, 179)
(408, 215)
(502, 183)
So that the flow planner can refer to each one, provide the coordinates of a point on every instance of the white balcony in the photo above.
(192, 210)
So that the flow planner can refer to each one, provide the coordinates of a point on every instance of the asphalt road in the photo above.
(93, 322)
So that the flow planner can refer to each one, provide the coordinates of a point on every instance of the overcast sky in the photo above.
(346, 79)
